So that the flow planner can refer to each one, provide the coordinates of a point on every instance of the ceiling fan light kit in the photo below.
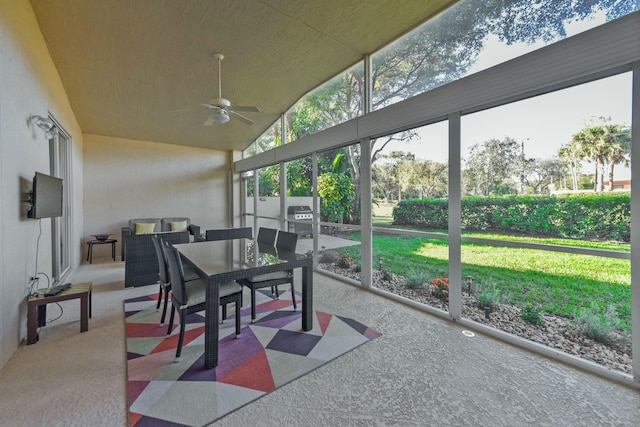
(220, 117)
(223, 107)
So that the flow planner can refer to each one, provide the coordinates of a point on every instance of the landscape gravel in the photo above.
(557, 332)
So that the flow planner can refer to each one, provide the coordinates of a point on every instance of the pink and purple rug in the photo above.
(268, 354)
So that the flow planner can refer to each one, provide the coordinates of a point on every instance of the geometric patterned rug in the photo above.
(269, 354)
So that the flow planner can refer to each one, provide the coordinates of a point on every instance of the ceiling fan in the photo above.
(221, 107)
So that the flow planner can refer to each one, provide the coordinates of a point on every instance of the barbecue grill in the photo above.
(300, 213)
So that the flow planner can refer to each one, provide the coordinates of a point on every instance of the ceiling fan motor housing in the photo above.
(220, 102)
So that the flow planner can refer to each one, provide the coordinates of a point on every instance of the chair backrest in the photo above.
(163, 271)
(229, 233)
(176, 274)
(287, 241)
(267, 236)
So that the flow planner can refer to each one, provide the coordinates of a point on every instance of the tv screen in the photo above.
(46, 198)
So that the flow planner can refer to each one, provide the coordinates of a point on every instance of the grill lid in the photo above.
(291, 210)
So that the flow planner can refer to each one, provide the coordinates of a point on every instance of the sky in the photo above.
(544, 123)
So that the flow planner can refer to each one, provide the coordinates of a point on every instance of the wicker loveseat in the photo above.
(138, 253)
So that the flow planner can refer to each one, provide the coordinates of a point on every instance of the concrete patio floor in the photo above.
(422, 371)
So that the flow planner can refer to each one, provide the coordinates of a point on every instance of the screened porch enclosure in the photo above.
(434, 146)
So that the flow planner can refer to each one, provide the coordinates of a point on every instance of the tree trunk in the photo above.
(600, 174)
(289, 136)
(574, 175)
(611, 165)
(355, 179)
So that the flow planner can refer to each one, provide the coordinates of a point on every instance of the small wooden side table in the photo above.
(37, 308)
(112, 242)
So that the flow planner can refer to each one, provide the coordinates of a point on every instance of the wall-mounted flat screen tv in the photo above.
(46, 198)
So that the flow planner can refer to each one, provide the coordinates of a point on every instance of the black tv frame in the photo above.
(46, 196)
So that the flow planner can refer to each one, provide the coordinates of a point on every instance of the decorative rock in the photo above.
(556, 333)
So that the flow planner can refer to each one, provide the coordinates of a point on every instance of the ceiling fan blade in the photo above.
(247, 109)
(209, 105)
(208, 122)
(242, 118)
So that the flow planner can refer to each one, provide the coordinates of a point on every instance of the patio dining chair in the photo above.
(285, 243)
(228, 234)
(267, 237)
(189, 298)
(163, 275)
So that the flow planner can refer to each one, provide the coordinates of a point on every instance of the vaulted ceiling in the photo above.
(139, 69)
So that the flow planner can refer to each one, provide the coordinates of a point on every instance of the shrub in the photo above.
(336, 191)
(441, 288)
(596, 323)
(532, 314)
(596, 216)
(416, 279)
(345, 260)
(386, 276)
(328, 257)
(488, 297)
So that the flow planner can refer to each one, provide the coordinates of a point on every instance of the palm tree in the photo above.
(600, 143)
(591, 145)
(619, 147)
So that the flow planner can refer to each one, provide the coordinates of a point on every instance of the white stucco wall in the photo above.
(113, 179)
(127, 179)
(29, 84)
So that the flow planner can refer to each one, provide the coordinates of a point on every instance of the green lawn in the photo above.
(382, 213)
(559, 282)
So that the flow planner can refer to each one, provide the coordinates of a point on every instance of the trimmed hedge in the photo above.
(597, 217)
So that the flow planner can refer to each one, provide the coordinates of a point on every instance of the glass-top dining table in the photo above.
(227, 260)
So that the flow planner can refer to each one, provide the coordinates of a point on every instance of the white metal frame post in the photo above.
(366, 206)
(283, 196)
(368, 87)
(243, 200)
(255, 201)
(237, 207)
(455, 218)
(316, 207)
(283, 177)
(635, 222)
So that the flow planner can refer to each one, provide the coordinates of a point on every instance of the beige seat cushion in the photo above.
(269, 276)
(229, 288)
(197, 291)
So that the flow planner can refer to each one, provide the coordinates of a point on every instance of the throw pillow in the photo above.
(145, 227)
(178, 226)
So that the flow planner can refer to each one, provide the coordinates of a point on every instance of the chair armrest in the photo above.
(194, 230)
(126, 232)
